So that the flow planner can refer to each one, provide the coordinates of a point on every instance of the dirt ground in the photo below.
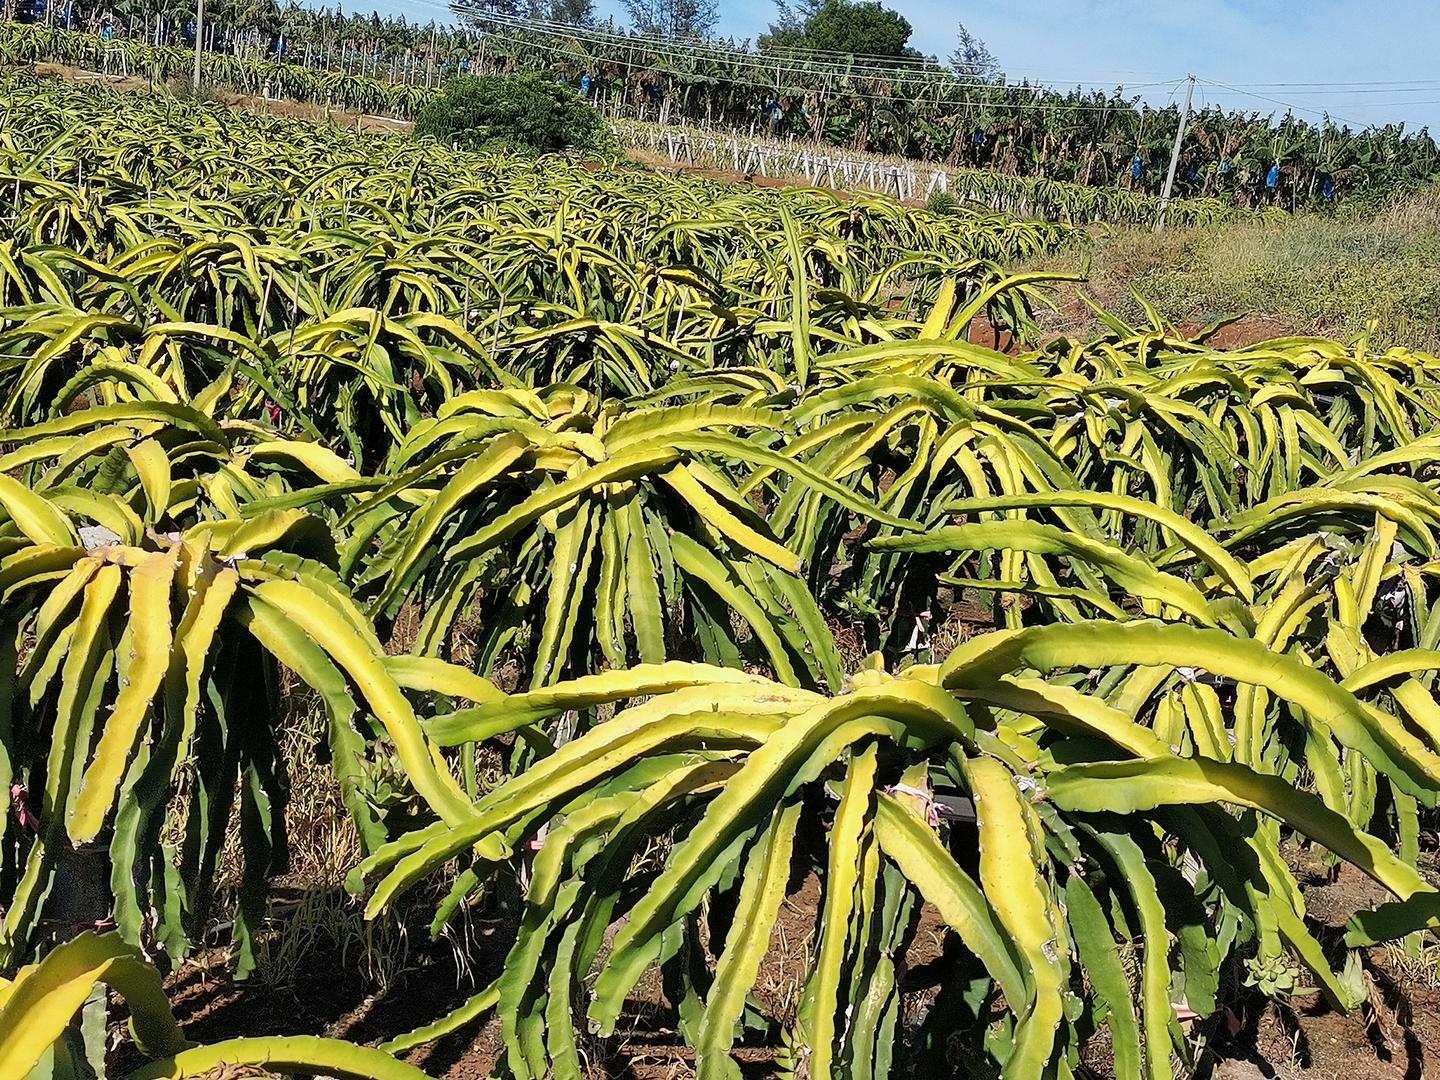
(1394, 1037)
(297, 110)
(661, 163)
(1244, 332)
(301, 110)
(1074, 318)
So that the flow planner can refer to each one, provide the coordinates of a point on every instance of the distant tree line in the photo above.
(837, 71)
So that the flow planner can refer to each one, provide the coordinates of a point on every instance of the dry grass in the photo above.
(329, 927)
(324, 843)
(1328, 274)
(1417, 963)
(322, 839)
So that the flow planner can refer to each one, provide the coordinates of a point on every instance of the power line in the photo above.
(1350, 91)
(769, 68)
(890, 64)
(773, 55)
(1337, 82)
(761, 65)
(817, 61)
(1035, 106)
(764, 73)
(1288, 104)
(1388, 105)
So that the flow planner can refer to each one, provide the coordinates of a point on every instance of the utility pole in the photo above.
(1174, 152)
(199, 39)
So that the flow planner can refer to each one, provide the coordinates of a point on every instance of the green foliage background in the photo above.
(526, 111)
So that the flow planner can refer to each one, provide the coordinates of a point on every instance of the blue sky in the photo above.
(1246, 43)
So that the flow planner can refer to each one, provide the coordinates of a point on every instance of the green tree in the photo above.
(671, 19)
(790, 19)
(858, 27)
(527, 110)
(569, 12)
(972, 58)
(495, 7)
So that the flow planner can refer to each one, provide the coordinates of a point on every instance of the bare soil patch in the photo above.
(661, 163)
(1073, 318)
(295, 110)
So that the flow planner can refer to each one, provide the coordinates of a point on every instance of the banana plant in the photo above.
(1038, 152)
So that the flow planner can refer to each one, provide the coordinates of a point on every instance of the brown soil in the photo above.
(1334, 903)
(661, 163)
(328, 995)
(1075, 319)
(1396, 1037)
(296, 110)
(983, 332)
(1244, 332)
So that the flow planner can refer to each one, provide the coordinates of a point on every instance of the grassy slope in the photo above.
(1314, 273)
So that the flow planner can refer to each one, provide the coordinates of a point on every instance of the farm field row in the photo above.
(649, 545)
(1053, 199)
(1266, 153)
